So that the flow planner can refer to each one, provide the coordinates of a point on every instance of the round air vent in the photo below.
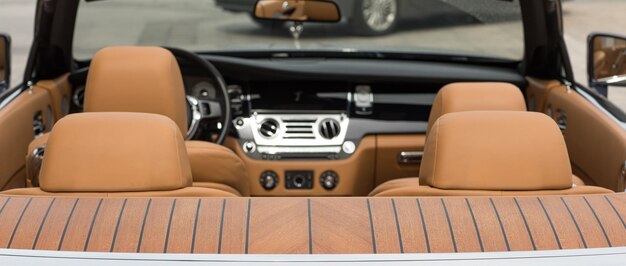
(269, 128)
(330, 128)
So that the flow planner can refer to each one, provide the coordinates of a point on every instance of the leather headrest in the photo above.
(476, 96)
(137, 79)
(496, 150)
(115, 152)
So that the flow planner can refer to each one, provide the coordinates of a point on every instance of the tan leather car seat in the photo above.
(464, 96)
(148, 80)
(116, 154)
(493, 153)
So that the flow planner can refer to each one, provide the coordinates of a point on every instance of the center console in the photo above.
(323, 138)
(296, 123)
(286, 123)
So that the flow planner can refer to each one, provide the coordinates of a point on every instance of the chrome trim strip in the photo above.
(600, 256)
(195, 116)
(279, 150)
(10, 98)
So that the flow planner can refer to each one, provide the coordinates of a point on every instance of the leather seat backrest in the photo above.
(496, 150)
(115, 152)
(476, 96)
(136, 79)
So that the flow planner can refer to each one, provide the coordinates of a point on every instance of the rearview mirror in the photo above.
(606, 61)
(297, 10)
(5, 61)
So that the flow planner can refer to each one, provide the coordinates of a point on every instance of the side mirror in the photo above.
(297, 10)
(5, 61)
(606, 61)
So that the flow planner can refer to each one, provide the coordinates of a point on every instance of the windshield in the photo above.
(482, 28)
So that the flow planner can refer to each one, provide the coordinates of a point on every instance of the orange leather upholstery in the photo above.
(104, 153)
(217, 167)
(460, 97)
(148, 80)
(136, 79)
(410, 183)
(475, 150)
(494, 153)
(476, 96)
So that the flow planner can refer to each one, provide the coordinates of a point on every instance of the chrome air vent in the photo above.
(269, 128)
(330, 128)
(299, 128)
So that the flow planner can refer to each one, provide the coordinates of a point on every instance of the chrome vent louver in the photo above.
(329, 128)
(269, 128)
(299, 128)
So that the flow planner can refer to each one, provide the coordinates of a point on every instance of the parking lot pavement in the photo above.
(210, 28)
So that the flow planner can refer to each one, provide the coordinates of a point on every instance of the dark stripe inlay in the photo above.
(43, 221)
(419, 207)
(219, 243)
(117, 225)
(395, 214)
(610, 203)
(93, 221)
(556, 236)
(67, 223)
(506, 239)
(19, 220)
(445, 210)
(143, 225)
(369, 210)
(4, 205)
(195, 227)
(169, 227)
(571, 215)
(530, 234)
(599, 223)
(480, 240)
(248, 224)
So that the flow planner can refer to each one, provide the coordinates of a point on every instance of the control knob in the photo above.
(329, 180)
(269, 180)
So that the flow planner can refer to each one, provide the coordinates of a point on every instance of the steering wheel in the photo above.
(201, 110)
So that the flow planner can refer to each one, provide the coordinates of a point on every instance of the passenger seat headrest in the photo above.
(476, 96)
(137, 79)
(496, 150)
(115, 152)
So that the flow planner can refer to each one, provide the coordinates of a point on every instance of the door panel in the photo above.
(537, 93)
(388, 149)
(596, 143)
(60, 92)
(17, 121)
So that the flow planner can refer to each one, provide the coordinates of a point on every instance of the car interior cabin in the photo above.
(157, 149)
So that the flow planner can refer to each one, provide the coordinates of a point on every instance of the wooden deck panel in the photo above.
(312, 225)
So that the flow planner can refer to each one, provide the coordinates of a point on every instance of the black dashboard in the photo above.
(321, 102)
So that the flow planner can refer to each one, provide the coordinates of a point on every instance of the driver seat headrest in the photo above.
(115, 152)
(137, 79)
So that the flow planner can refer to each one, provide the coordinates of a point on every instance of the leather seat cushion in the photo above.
(218, 167)
(413, 182)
